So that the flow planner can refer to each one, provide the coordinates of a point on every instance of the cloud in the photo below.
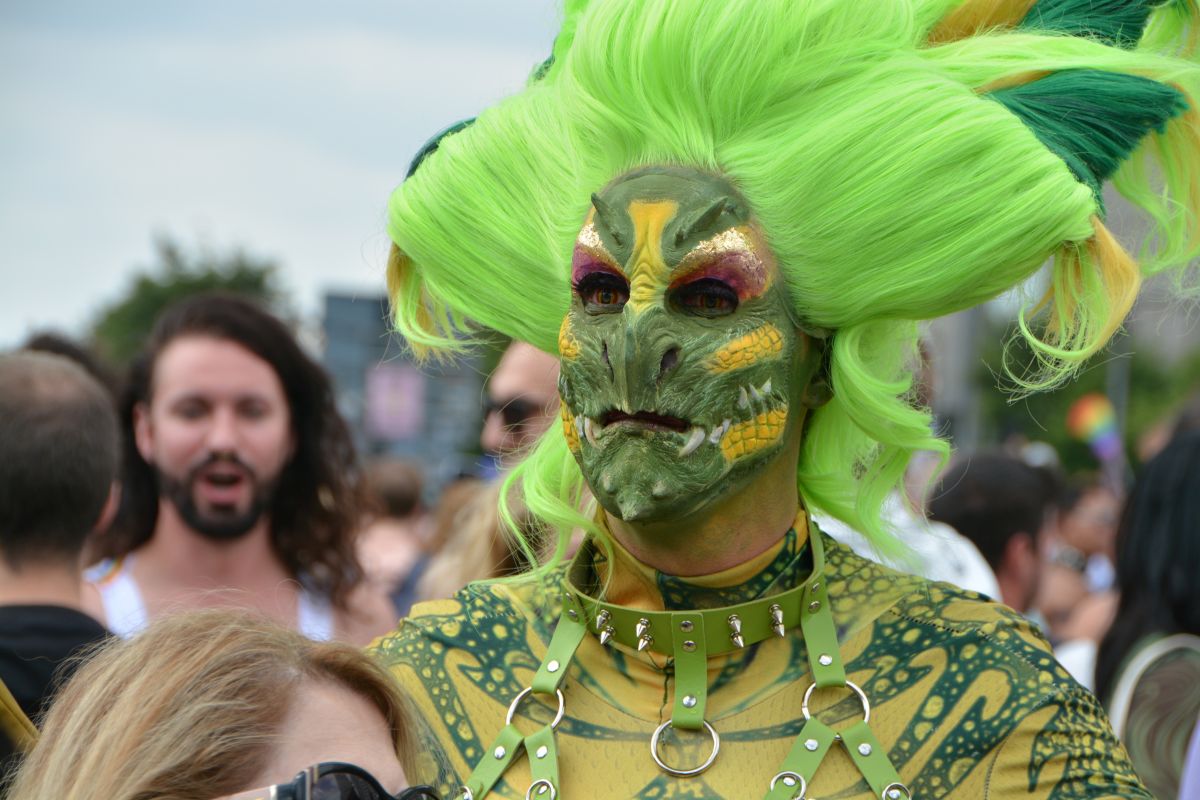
(284, 141)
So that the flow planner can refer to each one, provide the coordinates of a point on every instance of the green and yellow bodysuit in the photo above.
(965, 694)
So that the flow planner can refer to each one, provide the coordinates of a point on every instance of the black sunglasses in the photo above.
(513, 411)
(336, 781)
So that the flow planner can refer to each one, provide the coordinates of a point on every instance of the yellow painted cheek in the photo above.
(759, 344)
(753, 435)
(570, 433)
(567, 346)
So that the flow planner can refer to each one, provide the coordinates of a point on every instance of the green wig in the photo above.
(904, 164)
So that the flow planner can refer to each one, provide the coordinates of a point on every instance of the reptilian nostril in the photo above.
(669, 360)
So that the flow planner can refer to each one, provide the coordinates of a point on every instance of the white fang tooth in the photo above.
(694, 441)
(755, 393)
(588, 431)
(719, 431)
(766, 387)
(579, 424)
(743, 398)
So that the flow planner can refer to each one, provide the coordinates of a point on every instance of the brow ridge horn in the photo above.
(705, 218)
(608, 217)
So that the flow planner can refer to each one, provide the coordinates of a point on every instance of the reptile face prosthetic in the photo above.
(682, 372)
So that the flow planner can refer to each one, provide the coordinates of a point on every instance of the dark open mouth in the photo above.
(645, 418)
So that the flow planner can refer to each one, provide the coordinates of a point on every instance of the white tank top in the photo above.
(125, 612)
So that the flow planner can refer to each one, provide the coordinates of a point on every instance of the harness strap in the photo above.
(800, 764)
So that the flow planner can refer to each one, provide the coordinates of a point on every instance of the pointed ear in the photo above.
(608, 217)
(1091, 119)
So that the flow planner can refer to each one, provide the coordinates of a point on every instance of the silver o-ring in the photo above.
(862, 696)
(684, 773)
(541, 782)
(512, 709)
(801, 792)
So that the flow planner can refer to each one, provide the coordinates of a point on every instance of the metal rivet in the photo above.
(825, 660)
(788, 780)
(542, 751)
(686, 626)
(815, 605)
(689, 646)
(573, 614)
(816, 587)
(543, 789)
(811, 745)
(865, 749)
(553, 666)
(689, 701)
(500, 751)
(894, 794)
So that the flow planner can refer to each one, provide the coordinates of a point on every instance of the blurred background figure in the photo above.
(1148, 667)
(240, 485)
(393, 547)
(928, 548)
(1000, 504)
(59, 450)
(210, 703)
(475, 543)
(470, 539)
(522, 402)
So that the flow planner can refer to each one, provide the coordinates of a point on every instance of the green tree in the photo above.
(122, 326)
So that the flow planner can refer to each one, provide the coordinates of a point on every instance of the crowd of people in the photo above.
(717, 505)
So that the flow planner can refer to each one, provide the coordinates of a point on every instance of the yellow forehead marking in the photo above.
(753, 435)
(648, 274)
(761, 343)
(568, 347)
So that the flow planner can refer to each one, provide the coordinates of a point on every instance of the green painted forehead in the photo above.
(707, 204)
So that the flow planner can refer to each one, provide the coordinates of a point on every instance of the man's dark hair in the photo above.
(59, 451)
(319, 496)
(989, 498)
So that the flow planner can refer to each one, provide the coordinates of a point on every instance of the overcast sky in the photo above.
(278, 127)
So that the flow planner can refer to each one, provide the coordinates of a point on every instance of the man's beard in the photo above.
(218, 525)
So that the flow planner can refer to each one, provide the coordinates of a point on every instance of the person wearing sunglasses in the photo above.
(214, 703)
(334, 781)
(521, 402)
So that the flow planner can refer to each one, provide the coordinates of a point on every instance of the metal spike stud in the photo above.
(607, 634)
(644, 642)
(643, 625)
(735, 631)
(602, 619)
(777, 620)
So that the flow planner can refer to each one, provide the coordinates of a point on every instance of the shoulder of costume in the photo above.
(864, 592)
(532, 600)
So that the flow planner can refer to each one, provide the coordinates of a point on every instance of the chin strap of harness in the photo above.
(689, 638)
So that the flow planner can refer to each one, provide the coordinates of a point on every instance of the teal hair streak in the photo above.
(1115, 22)
(1093, 120)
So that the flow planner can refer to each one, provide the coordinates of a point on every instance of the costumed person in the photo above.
(727, 219)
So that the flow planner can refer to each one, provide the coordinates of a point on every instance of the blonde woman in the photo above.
(214, 703)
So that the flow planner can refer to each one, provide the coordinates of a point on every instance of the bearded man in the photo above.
(727, 220)
(240, 483)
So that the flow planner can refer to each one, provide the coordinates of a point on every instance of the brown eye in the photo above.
(602, 292)
(707, 297)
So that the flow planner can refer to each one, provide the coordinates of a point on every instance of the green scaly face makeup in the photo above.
(680, 364)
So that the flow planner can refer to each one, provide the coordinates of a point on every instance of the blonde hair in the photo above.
(188, 709)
